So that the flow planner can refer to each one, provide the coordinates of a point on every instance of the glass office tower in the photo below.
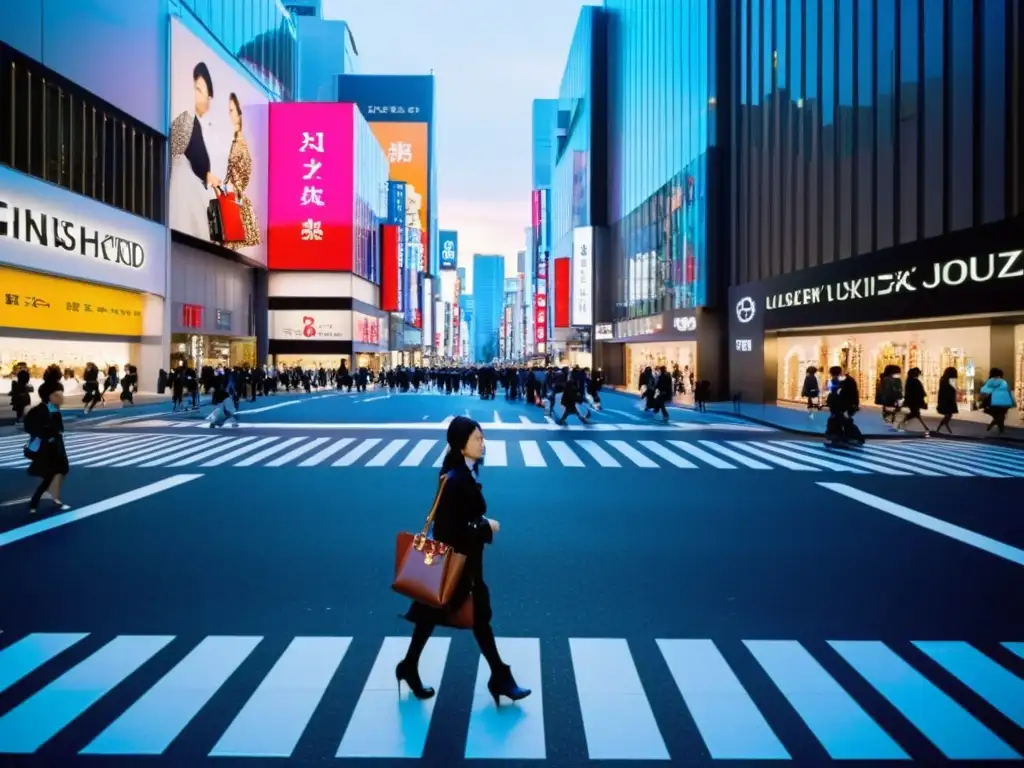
(260, 33)
(878, 175)
(488, 303)
(667, 206)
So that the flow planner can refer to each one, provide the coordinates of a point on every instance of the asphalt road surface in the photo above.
(696, 591)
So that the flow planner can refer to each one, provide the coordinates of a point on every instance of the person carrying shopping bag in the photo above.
(443, 567)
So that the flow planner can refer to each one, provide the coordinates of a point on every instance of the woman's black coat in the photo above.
(459, 523)
(914, 395)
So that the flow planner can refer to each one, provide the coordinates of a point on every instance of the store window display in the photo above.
(212, 350)
(71, 356)
(865, 356)
(654, 355)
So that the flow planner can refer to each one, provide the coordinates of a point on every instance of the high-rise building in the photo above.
(488, 301)
(668, 193)
(538, 235)
(400, 111)
(878, 160)
(578, 207)
(327, 48)
(143, 298)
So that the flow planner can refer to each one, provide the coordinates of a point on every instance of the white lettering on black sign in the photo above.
(1006, 265)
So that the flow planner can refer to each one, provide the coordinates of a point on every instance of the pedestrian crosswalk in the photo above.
(144, 694)
(232, 449)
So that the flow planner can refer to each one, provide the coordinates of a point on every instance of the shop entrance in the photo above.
(655, 354)
(865, 355)
(200, 350)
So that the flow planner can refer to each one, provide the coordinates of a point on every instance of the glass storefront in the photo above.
(71, 356)
(312, 362)
(199, 350)
(865, 355)
(657, 353)
(1018, 373)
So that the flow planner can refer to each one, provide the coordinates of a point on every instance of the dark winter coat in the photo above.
(946, 404)
(460, 523)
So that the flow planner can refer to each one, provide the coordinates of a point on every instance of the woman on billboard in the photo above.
(239, 175)
(195, 150)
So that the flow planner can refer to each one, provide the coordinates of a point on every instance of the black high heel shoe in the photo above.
(503, 684)
(411, 677)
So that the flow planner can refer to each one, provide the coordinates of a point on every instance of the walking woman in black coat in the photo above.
(460, 523)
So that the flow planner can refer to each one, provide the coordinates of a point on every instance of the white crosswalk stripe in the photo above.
(273, 698)
(231, 449)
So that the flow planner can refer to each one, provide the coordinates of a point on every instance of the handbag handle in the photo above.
(433, 509)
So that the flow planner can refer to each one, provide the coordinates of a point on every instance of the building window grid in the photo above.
(51, 135)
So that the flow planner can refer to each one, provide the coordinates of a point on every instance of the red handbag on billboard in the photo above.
(224, 214)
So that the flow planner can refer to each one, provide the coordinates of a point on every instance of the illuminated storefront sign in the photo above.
(603, 332)
(449, 249)
(582, 276)
(1007, 265)
(42, 303)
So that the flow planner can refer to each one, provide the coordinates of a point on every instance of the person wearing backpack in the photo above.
(49, 458)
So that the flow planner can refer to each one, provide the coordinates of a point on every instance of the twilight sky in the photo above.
(491, 58)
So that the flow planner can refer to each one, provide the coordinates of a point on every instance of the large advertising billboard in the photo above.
(407, 147)
(312, 200)
(449, 241)
(219, 140)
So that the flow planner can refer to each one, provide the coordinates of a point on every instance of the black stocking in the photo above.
(420, 635)
(489, 648)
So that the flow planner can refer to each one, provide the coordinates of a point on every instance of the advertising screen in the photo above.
(562, 292)
(390, 268)
(449, 241)
(407, 147)
(312, 199)
(219, 139)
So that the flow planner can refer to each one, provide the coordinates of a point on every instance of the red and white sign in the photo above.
(312, 325)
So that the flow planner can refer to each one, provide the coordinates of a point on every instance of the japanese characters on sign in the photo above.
(45, 303)
(312, 172)
(582, 276)
(380, 110)
(312, 194)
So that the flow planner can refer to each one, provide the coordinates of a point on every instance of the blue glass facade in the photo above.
(371, 200)
(260, 33)
(488, 297)
(663, 64)
(545, 114)
(864, 125)
(572, 194)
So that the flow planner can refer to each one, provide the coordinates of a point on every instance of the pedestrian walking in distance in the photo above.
(460, 523)
(49, 459)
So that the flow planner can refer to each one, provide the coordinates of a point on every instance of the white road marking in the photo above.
(971, 538)
(56, 521)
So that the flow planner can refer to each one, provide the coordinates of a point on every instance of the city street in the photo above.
(701, 590)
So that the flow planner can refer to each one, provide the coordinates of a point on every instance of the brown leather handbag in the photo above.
(426, 570)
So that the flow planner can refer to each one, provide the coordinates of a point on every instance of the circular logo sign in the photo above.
(745, 309)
